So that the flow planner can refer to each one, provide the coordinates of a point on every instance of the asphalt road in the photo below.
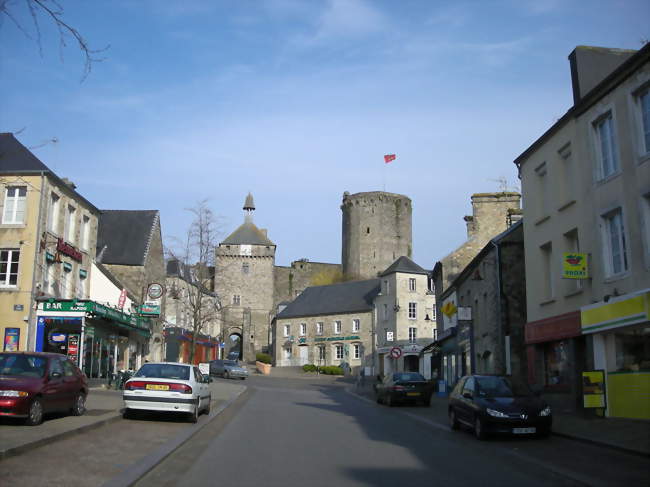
(311, 433)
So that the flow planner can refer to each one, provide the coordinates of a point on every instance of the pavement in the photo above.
(628, 435)
(103, 406)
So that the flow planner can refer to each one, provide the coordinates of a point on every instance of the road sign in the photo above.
(395, 352)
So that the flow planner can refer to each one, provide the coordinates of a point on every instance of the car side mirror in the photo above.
(55, 375)
(468, 395)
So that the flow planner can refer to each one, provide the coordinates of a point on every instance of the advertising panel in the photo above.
(574, 266)
(12, 339)
(593, 389)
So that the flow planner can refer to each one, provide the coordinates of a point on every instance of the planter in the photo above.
(263, 368)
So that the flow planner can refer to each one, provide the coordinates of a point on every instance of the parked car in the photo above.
(228, 369)
(403, 387)
(168, 387)
(35, 383)
(494, 404)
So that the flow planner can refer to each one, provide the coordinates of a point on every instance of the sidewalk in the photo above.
(103, 406)
(628, 435)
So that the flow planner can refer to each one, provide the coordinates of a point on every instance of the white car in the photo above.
(168, 387)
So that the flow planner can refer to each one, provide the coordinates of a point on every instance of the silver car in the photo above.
(229, 369)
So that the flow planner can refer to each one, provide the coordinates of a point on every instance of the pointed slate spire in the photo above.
(249, 204)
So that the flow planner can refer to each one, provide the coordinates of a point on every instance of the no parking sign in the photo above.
(395, 352)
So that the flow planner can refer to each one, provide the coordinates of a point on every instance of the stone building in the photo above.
(586, 187)
(376, 230)
(48, 233)
(492, 213)
(129, 245)
(291, 280)
(328, 325)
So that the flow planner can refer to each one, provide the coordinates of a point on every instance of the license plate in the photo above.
(412, 393)
(523, 431)
(157, 387)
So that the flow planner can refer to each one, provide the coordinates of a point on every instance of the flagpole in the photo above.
(385, 169)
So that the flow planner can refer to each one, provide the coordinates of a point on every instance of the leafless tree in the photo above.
(195, 254)
(51, 11)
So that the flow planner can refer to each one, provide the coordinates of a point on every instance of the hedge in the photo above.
(265, 358)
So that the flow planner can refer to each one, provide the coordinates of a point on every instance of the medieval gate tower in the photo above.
(376, 231)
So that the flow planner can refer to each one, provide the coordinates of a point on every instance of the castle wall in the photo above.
(376, 230)
(290, 281)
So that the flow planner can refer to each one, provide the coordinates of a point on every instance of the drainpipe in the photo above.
(31, 337)
(501, 347)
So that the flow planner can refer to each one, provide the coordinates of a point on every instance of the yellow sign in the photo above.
(574, 266)
(593, 389)
(618, 311)
(449, 309)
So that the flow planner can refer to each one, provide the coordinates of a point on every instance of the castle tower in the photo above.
(376, 231)
(244, 279)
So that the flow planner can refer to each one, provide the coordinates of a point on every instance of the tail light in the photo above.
(399, 388)
(184, 388)
(134, 385)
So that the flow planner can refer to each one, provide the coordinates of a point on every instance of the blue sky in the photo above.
(297, 101)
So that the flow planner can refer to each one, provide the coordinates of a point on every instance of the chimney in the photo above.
(69, 183)
(264, 232)
(591, 65)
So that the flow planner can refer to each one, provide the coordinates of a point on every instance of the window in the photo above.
(566, 181)
(15, 199)
(413, 334)
(614, 248)
(236, 299)
(321, 352)
(9, 267)
(82, 292)
(356, 351)
(572, 244)
(287, 330)
(386, 286)
(67, 282)
(70, 224)
(606, 149)
(245, 269)
(319, 328)
(338, 349)
(413, 311)
(632, 346)
(546, 252)
(303, 329)
(287, 353)
(435, 333)
(645, 215)
(85, 232)
(412, 284)
(356, 325)
(385, 311)
(337, 327)
(48, 276)
(542, 191)
(53, 214)
(642, 98)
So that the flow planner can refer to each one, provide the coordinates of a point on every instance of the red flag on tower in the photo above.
(389, 157)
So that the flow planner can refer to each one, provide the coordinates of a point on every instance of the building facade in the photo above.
(586, 184)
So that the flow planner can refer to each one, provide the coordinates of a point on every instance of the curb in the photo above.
(142, 467)
(580, 439)
(17, 450)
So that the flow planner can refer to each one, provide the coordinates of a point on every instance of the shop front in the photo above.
(178, 345)
(620, 330)
(101, 340)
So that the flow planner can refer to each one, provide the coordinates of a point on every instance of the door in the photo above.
(304, 355)
(53, 390)
(466, 401)
(202, 385)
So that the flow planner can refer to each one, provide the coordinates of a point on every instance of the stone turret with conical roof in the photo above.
(245, 262)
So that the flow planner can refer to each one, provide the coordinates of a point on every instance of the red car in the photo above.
(35, 383)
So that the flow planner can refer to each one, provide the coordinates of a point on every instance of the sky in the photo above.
(297, 101)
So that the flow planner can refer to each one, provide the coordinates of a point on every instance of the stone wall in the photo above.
(376, 230)
(291, 281)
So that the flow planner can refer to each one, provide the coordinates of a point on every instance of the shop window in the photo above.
(356, 351)
(556, 363)
(633, 350)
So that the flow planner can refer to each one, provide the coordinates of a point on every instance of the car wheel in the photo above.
(453, 421)
(389, 401)
(479, 428)
(127, 414)
(226, 375)
(35, 416)
(194, 415)
(79, 406)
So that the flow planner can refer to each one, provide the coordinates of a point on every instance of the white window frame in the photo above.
(413, 310)
(13, 257)
(18, 205)
(645, 215)
(337, 327)
(321, 352)
(356, 351)
(546, 251)
(643, 126)
(67, 280)
(53, 213)
(413, 334)
(85, 232)
(622, 240)
(542, 184)
(337, 347)
(319, 328)
(356, 324)
(70, 224)
(303, 329)
(287, 329)
(611, 149)
(412, 284)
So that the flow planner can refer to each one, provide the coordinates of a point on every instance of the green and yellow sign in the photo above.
(593, 389)
(574, 266)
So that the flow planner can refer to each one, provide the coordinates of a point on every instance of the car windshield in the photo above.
(164, 371)
(407, 377)
(229, 362)
(499, 387)
(22, 365)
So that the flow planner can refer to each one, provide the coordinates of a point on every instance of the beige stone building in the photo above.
(48, 236)
(586, 188)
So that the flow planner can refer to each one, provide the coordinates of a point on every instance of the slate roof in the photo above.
(247, 234)
(405, 265)
(15, 158)
(345, 297)
(127, 234)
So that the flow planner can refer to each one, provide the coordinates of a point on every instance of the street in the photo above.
(314, 431)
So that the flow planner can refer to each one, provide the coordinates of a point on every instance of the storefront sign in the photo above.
(122, 299)
(336, 339)
(19, 307)
(56, 337)
(617, 311)
(73, 347)
(12, 339)
(412, 348)
(593, 389)
(574, 266)
(465, 313)
(90, 331)
(69, 250)
(67, 306)
(449, 309)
